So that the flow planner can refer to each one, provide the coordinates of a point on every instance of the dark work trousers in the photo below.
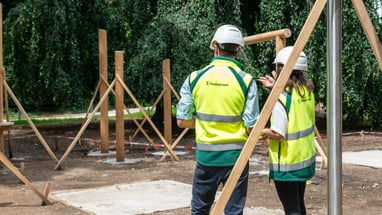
(291, 195)
(205, 184)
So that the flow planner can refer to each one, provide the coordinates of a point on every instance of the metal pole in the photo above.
(334, 114)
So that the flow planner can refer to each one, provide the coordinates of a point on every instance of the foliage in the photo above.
(51, 47)
(51, 51)
(181, 31)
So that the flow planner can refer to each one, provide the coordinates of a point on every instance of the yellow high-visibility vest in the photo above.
(293, 158)
(219, 92)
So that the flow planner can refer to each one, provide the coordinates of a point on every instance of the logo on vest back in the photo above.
(216, 84)
(304, 100)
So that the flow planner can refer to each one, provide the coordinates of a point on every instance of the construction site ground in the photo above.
(361, 184)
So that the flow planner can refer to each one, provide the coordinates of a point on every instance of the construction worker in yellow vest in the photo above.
(220, 101)
(291, 145)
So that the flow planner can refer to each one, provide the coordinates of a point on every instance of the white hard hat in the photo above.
(227, 34)
(283, 55)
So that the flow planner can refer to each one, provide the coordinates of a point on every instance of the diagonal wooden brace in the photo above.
(84, 126)
(168, 147)
(39, 136)
(268, 107)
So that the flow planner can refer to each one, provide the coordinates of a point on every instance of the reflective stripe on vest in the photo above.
(220, 147)
(217, 118)
(292, 167)
(299, 134)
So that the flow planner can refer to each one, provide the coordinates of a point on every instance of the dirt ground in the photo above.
(361, 191)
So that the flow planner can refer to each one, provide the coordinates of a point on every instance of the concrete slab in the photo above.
(365, 158)
(137, 198)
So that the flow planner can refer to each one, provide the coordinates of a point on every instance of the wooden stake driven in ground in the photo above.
(46, 192)
(268, 107)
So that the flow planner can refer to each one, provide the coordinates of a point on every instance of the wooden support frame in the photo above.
(175, 143)
(84, 126)
(126, 109)
(166, 85)
(268, 107)
(166, 95)
(7, 126)
(149, 111)
(147, 117)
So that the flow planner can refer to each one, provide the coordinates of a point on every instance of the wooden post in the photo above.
(119, 108)
(280, 43)
(167, 101)
(10, 148)
(268, 107)
(104, 109)
(282, 33)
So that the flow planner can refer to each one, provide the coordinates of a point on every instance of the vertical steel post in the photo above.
(334, 114)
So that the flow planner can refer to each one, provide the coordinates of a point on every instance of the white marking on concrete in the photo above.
(126, 161)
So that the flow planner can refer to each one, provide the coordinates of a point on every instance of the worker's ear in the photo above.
(216, 49)
(274, 74)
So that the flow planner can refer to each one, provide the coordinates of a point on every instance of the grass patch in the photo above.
(48, 118)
